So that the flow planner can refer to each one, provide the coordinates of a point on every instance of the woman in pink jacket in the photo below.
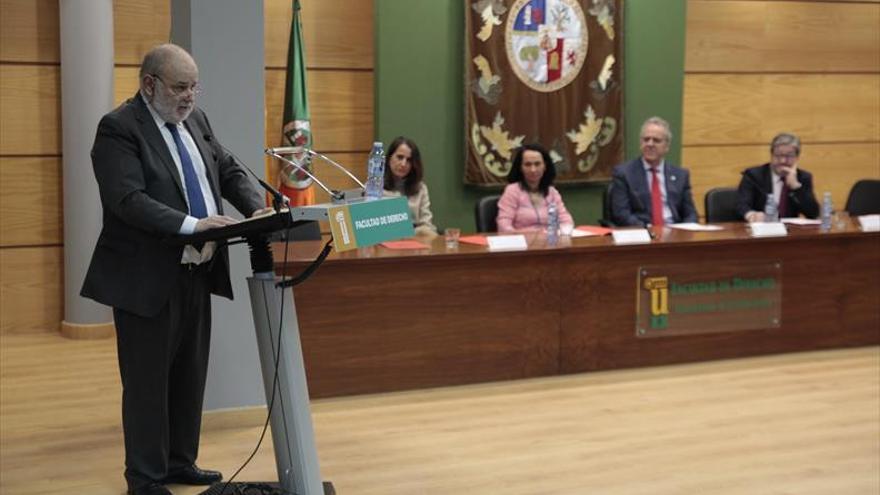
(523, 206)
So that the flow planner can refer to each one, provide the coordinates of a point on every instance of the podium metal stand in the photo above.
(275, 322)
(281, 358)
(293, 435)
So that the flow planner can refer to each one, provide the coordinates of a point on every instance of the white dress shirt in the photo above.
(190, 253)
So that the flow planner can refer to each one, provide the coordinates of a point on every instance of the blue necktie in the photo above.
(197, 206)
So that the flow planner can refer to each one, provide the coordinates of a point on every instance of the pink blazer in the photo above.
(516, 212)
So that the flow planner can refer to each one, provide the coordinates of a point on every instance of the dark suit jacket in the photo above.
(631, 194)
(756, 184)
(144, 202)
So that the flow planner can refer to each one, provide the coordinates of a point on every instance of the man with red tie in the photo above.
(649, 191)
(791, 187)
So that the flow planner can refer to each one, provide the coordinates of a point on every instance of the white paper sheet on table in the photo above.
(802, 221)
(582, 233)
(696, 227)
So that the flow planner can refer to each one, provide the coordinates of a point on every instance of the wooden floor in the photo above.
(790, 424)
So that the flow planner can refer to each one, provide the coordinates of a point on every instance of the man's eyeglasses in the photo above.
(181, 88)
(785, 156)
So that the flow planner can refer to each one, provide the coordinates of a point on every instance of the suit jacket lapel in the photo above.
(768, 179)
(207, 159)
(157, 142)
(640, 181)
(671, 189)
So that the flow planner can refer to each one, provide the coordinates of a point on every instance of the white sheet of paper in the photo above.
(802, 221)
(582, 233)
(696, 227)
(507, 242)
(768, 229)
(870, 223)
(633, 236)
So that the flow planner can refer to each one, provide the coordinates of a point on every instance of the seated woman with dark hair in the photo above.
(523, 206)
(403, 176)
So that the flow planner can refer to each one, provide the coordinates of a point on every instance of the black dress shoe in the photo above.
(151, 489)
(192, 475)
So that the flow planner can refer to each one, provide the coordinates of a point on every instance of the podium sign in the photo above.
(365, 223)
(708, 297)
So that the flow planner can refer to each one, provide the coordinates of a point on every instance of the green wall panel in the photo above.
(419, 92)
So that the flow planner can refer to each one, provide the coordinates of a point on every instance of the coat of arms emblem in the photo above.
(546, 42)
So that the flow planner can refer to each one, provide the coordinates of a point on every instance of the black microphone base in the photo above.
(257, 488)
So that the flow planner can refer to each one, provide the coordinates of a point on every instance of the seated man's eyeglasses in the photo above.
(180, 88)
(783, 156)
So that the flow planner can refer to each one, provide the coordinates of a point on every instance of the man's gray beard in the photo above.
(169, 114)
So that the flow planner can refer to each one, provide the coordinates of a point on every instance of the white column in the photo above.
(86, 95)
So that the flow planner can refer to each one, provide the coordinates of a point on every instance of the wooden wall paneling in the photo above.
(835, 167)
(29, 31)
(125, 84)
(30, 109)
(752, 108)
(30, 201)
(341, 105)
(31, 292)
(138, 25)
(748, 36)
(336, 33)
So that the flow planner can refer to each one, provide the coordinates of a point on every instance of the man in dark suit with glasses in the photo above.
(160, 173)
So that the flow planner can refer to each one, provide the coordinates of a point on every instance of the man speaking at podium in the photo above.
(160, 172)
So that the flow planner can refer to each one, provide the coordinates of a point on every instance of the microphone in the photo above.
(277, 197)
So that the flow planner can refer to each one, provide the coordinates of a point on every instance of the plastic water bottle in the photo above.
(771, 210)
(552, 224)
(376, 172)
(827, 211)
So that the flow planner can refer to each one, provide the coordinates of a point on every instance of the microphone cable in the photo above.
(283, 284)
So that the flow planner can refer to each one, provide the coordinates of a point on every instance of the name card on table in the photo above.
(768, 229)
(365, 223)
(507, 242)
(870, 223)
(631, 236)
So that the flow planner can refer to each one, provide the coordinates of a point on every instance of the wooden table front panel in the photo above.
(825, 303)
(383, 320)
(383, 325)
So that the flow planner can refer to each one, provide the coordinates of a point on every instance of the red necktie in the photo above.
(656, 199)
(783, 201)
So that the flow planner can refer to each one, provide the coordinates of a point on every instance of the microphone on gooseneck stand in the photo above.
(277, 198)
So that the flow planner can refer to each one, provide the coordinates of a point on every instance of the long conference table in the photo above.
(378, 320)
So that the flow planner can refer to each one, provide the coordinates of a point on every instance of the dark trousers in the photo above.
(163, 361)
